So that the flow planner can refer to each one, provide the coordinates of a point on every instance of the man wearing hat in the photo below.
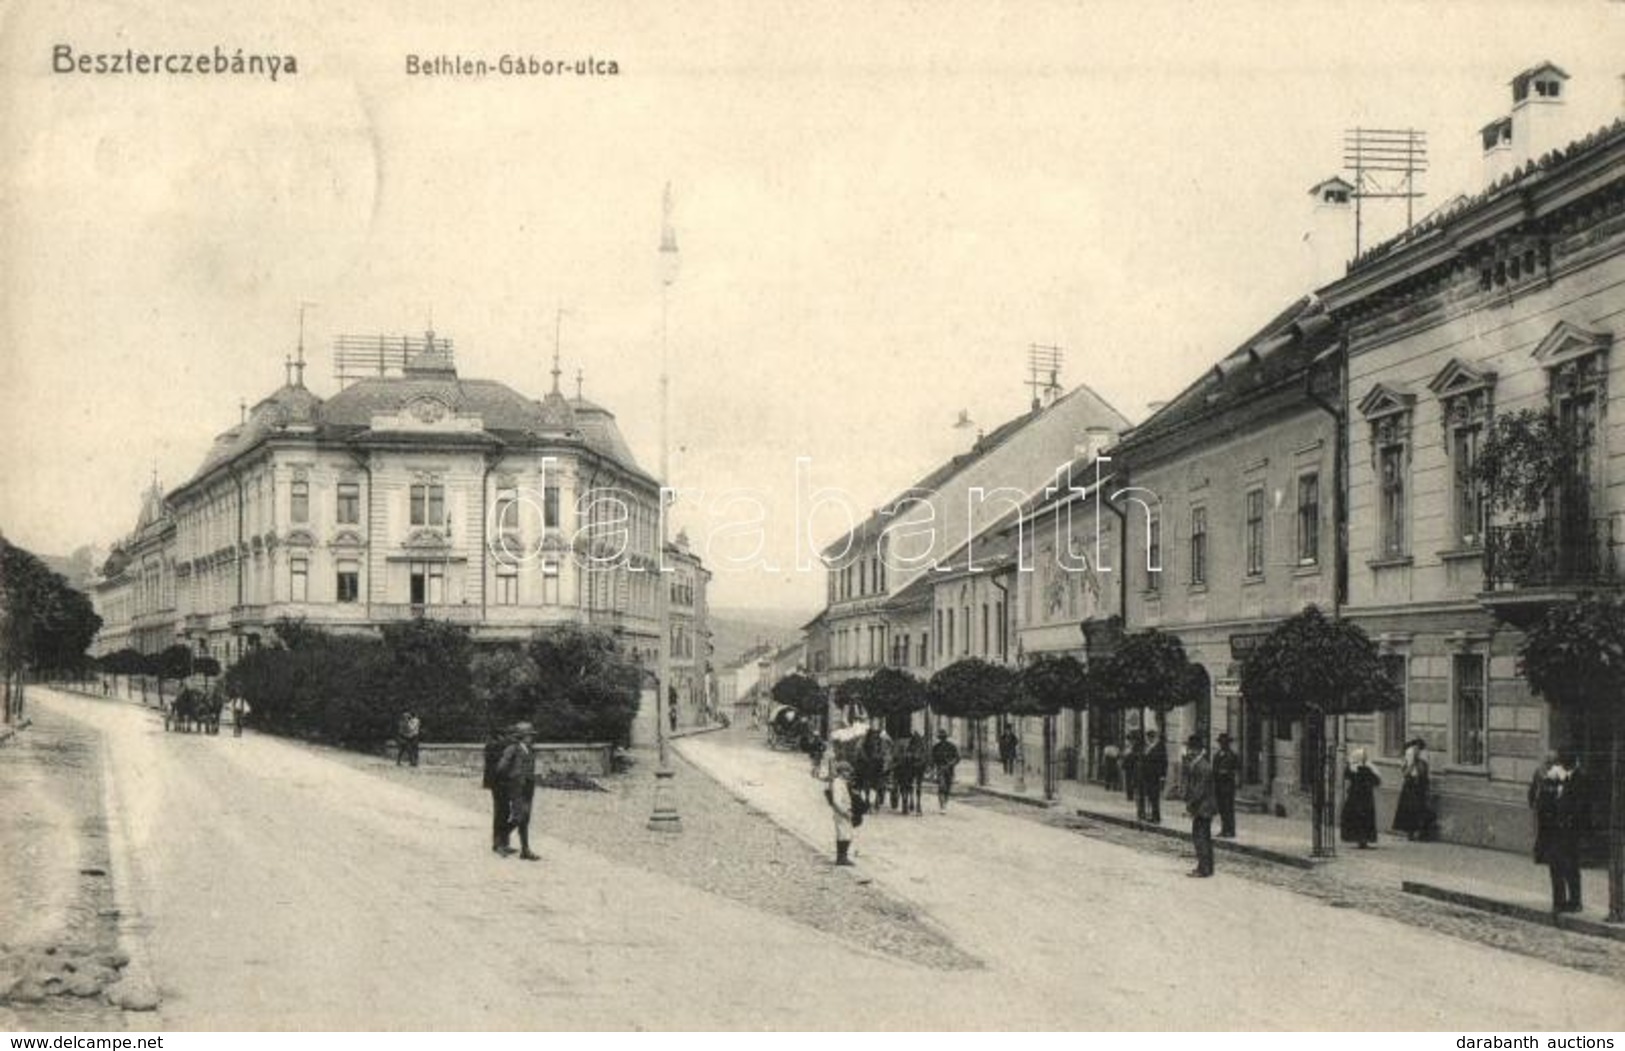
(495, 746)
(516, 770)
(944, 757)
(1226, 772)
(1200, 803)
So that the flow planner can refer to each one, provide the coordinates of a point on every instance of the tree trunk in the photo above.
(1313, 726)
(1049, 757)
(1616, 820)
(980, 730)
(1021, 753)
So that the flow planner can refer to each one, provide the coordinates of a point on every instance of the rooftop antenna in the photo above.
(1385, 163)
(1043, 370)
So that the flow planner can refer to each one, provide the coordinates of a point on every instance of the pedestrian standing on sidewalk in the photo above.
(497, 744)
(1110, 768)
(1132, 753)
(1226, 775)
(1153, 775)
(838, 792)
(407, 748)
(1200, 803)
(1560, 818)
(944, 757)
(517, 771)
(239, 712)
(1360, 800)
(1007, 749)
(1413, 816)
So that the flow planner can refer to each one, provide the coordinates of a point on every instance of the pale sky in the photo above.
(879, 206)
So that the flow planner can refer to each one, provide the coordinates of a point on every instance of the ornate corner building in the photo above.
(415, 492)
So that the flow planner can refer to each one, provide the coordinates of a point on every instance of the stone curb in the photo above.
(1014, 797)
(1526, 913)
(1227, 845)
(693, 731)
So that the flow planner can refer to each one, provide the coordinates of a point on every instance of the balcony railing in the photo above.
(393, 611)
(1551, 553)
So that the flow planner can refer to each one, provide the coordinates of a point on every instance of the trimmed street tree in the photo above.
(892, 692)
(1575, 657)
(175, 662)
(1148, 669)
(973, 689)
(1310, 668)
(45, 624)
(803, 693)
(587, 688)
(1048, 684)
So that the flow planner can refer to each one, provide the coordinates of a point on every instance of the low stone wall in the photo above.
(592, 759)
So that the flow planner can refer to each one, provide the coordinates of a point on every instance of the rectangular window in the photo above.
(1198, 545)
(507, 587)
(1004, 629)
(1391, 468)
(550, 506)
(966, 623)
(987, 630)
(1467, 494)
(1467, 703)
(1255, 532)
(428, 582)
(1153, 554)
(1393, 721)
(300, 510)
(863, 578)
(349, 503)
(550, 582)
(299, 579)
(507, 511)
(939, 633)
(428, 504)
(950, 631)
(1308, 519)
(349, 581)
(924, 647)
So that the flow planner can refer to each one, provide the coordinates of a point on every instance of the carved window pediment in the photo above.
(1386, 400)
(348, 538)
(299, 538)
(1458, 377)
(1567, 342)
(425, 540)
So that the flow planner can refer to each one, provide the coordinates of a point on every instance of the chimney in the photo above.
(1099, 440)
(1497, 136)
(1537, 112)
(1328, 241)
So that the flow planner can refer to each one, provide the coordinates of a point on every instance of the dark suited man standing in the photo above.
(1200, 803)
(1226, 772)
(1153, 775)
(498, 743)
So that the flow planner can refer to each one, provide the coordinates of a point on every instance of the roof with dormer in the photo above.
(505, 415)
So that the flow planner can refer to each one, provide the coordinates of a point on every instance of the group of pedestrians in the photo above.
(882, 771)
(510, 777)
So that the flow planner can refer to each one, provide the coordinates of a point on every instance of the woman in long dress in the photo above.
(1360, 801)
(1413, 816)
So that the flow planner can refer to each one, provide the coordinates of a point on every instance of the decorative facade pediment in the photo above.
(425, 412)
(299, 538)
(1385, 400)
(347, 538)
(1568, 341)
(1458, 377)
(425, 540)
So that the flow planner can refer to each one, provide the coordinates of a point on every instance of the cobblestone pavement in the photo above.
(726, 848)
(1336, 887)
(56, 909)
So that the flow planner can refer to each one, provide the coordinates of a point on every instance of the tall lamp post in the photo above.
(664, 818)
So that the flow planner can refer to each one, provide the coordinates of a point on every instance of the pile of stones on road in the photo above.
(30, 975)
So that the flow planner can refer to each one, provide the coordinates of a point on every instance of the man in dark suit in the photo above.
(1200, 803)
(1226, 772)
(494, 747)
(517, 772)
(1153, 775)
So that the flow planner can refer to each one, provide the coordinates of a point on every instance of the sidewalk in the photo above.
(1495, 880)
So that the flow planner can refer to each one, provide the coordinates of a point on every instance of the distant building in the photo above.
(416, 493)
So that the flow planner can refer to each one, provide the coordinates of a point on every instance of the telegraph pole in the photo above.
(664, 818)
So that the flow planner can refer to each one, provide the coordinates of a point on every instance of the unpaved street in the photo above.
(281, 886)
